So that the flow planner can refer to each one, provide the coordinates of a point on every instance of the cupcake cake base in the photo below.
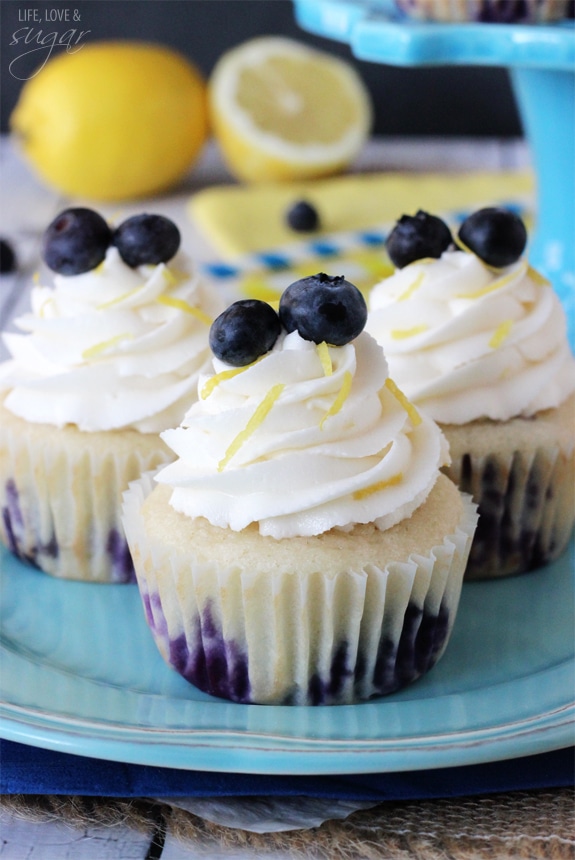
(331, 619)
(61, 492)
(521, 473)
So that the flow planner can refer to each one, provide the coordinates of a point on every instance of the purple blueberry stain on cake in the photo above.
(15, 528)
(121, 563)
(420, 644)
(211, 663)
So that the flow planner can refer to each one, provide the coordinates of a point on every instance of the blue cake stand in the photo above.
(541, 63)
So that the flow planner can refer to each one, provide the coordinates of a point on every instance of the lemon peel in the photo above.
(98, 348)
(340, 399)
(412, 412)
(403, 333)
(501, 334)
(415, 285)
(119, 299)
(377, 487)
(503, 281)
(212, 383)
(324, 356)
(257, 418)
(186, 307)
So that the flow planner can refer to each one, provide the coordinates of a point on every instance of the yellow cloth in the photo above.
(242, 219)
(260, 255)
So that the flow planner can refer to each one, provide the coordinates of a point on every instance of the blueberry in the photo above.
(302, 217)
(8, 262)
(76, 241)
(247, 329)
(146, 240)
(417, 236)
(497, 236)
(323, 308)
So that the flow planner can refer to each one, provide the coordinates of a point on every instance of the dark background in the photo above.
(450, 101)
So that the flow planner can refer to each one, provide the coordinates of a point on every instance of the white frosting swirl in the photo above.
(315, 459)
(465, 341)
(112, 348)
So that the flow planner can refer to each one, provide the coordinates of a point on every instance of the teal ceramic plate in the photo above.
(79, 673)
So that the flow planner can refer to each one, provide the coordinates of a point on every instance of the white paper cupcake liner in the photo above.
(286, 638)
(61, 492)
(526, 504)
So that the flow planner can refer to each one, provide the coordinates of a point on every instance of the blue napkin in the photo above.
(29, 770)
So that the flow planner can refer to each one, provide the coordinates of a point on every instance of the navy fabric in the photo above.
(30, 770)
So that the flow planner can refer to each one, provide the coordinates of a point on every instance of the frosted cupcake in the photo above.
(110, 356)
(485, 11)
(303, 547)
(477, 340)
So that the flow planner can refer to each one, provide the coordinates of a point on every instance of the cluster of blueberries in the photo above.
(330, 309)
(77, 240)
(322, 308)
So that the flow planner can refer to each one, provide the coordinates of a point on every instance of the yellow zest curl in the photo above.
(501, 333)
(99, 348)
(322, 350)
(215, 380)
(257, 418)
(340, 399)
(186, 307)
(490, 288)
(402, 333)
(119, 299)
(412, 288)
(412, 412)
(380, 485)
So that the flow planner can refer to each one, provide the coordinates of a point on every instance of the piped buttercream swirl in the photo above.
(303, 440)
(112, 348)
(465, 341)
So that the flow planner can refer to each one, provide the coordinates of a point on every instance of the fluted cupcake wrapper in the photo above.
(61, 492)
(526, 508)
(284, 638)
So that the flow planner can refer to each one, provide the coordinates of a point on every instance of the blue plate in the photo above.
(80, 673)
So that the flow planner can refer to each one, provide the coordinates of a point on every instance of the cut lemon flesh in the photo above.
(282, 110)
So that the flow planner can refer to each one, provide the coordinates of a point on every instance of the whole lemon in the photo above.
(113, 121)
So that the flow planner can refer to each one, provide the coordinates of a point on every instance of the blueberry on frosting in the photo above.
(323, 308)
(495, 235)
(76, 241)
(247, 329)
(416, 237)
(146, 240)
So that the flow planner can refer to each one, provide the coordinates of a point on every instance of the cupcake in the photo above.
(485, 11)
(303, 547)
(477, 340)
(109, 356)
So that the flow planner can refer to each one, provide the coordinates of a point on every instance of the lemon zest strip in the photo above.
(414, 415)
(99, 348)
(325, 357)
(412, 288)
(380, 485)
(501, 333)
(257, 418)
(215, 380)
(182, 305)
(340, 399)
(119, 299)
(490, 288)
(402, 333)
(538, 278)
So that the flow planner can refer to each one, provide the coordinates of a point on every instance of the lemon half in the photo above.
(113, 121)
(281, 110)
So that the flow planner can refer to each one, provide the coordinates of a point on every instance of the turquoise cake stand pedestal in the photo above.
(541, 63)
